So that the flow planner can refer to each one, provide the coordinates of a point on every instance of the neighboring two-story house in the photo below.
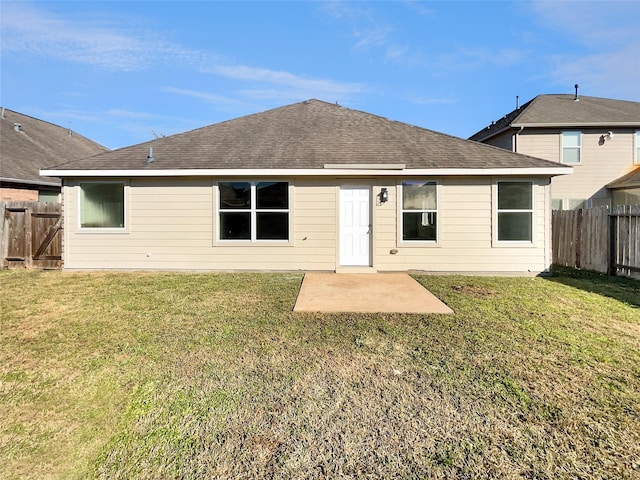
(27, 145)
(598, 137)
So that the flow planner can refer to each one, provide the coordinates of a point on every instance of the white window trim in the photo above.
(253, 212)
(579, 147)
(636, 148)
(513, 243)
(400, 210)
(109, 230)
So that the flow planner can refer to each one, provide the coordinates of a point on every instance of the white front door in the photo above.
(355, 225)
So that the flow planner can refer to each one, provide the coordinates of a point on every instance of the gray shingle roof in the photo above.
(563, 111)
(630, 180)
(38, 144)
(306, 135)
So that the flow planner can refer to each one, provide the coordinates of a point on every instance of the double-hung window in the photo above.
(515, 211)
(253, 211)
(102, 205)
(571, 144)
(419, 211)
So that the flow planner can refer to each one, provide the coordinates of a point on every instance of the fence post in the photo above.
(4, 234)
(28, 238)
(613, 240)
(580, 214)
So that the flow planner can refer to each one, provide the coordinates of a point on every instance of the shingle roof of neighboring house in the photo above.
(36, 144)
(630, 180)
(311, 135)
(564, 111)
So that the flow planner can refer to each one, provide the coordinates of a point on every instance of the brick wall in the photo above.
(18, 194)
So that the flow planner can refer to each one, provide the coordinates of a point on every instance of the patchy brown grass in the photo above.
(212, 376)
(474, 290)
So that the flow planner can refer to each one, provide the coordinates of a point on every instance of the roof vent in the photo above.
(17, 127)
(150, 158)
(576, 98)
(3, 116)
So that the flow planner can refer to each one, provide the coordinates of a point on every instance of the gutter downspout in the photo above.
(515, 139)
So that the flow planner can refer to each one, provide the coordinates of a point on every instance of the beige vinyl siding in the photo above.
(466, 221)
(601, 162)
(171, 225)
(540, 143)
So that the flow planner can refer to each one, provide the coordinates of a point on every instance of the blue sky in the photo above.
(124, 72)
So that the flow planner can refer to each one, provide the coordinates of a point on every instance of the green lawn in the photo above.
(170, 375)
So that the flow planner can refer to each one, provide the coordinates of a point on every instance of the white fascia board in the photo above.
(30, 182)
(365, 166)
(311, 172)
(576, 125)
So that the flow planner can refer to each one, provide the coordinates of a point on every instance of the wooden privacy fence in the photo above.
(31, 235)
(599, 240)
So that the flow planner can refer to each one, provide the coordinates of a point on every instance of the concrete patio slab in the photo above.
(365, 293)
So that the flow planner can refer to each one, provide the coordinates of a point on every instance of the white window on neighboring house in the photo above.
(102, 205)
(636, 158)
(571, 144)
(419, 211)
(51, 197)
(253, 211)
(515, 211)
(600, 202)
(575, 203)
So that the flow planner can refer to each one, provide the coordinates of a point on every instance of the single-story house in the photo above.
(309, 186)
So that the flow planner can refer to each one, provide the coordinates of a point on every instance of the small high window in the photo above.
(253, 211)
(571, 144)
(102, 205)
(419, 211)
(515, 211)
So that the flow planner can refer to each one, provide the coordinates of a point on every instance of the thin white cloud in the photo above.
(422, 100)
(419, 8)
(599, 25)
(129, 114)
(26, 29)
(145, 125)
(94, 41)
(285, 85)
(285, 79)
(205, 96)
(280, 95)
(367, 30)
(372, 36)
(613, 75)
(476, 58)
(371, 32)
(608, 40)
(64, 116)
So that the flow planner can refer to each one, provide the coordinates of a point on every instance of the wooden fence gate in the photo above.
(624, 238)
(599, 240)
(31, 235)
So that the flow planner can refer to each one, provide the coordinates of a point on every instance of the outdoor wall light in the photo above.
(384, 195)
(605, 136)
